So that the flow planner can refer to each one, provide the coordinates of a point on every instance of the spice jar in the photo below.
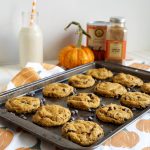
(97, 40)
(116, 40)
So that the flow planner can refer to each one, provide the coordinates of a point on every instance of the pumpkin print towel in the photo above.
(134, 137)
(33, 72)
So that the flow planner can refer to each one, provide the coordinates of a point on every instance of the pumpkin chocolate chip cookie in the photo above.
(24, 104)
(146, 88)
(84, 101)
(135, 99)
(114, 113)
(109, 89)
(127, 80)
(82, 132)
(100, 73)
(81, 81)
(57, 90)
(51, 115)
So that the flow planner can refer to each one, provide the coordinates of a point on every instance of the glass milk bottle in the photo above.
(30, 40)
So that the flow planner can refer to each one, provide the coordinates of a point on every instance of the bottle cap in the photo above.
(117, 19)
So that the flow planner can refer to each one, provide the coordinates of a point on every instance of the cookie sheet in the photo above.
(53, 134)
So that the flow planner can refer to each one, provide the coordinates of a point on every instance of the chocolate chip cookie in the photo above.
(24, 104)
(82, 132)
(109, 89)
(84, 101)
(81, 81)
(146, 88)
(114, 113)
(57, 90)
(51, 115)
(127, 80)
(100, 73)
(135, 99)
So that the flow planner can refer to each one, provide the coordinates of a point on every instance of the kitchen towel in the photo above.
(33, 72)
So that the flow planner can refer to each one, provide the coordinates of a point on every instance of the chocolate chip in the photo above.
(90, 95)
(125, 109)
(43, 100)
(32, 94)
(64, 90)
(128, 89)
(125, 119)
(52, 89)
(76, 111)
(109, 108)
(102, 105)
(90, 118)
(73, 112)
(72, 119)
(91, 110)
(76, 82)
(74, 91)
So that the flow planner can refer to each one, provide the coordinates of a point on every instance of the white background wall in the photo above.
(56, 14)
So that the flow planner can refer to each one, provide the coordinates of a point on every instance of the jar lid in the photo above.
(98, 23)
(117, 19)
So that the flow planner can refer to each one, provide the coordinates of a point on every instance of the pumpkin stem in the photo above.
(79, 42)
(80, 31)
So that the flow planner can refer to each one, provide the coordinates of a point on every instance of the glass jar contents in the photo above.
(97, 30)
(30, 40)
(116, 40)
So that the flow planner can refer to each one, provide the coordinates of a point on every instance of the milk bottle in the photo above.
(30, 41)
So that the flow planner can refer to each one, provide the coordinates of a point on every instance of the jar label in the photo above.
(115, 50)
(98, 37)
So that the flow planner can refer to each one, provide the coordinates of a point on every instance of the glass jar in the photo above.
(30, 40)
(116, 40)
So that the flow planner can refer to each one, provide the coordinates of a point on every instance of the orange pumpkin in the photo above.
(75, 55)
(128, 139)
(146, 148)
(143, 125)
(6, 137)
(23, 148)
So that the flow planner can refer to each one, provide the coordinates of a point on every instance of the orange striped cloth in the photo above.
(33, 72)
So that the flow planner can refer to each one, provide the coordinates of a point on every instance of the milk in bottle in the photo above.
(30, 41)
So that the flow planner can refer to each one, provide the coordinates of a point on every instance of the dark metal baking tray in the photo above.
(53, 134)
